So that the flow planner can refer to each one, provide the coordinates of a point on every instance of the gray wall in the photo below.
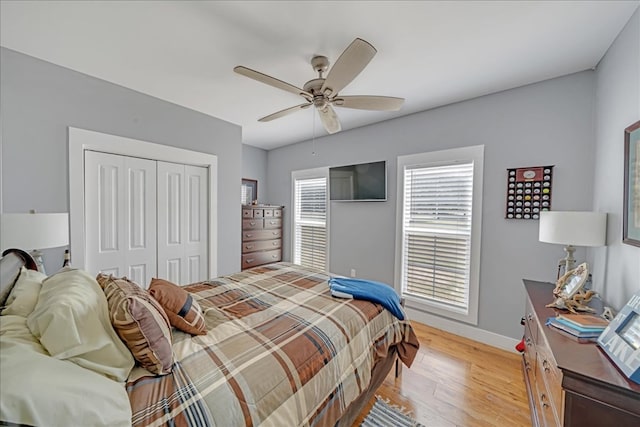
(548, 123)
(254, 166)
(616, 266)
(39, 100)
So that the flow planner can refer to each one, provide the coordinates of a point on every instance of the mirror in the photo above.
(568, 291)
(571, 282)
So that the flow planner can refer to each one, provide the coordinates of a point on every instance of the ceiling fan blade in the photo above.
(329, 119)
(271, 81)
(284, 112)
(352, 61)
(364, 102)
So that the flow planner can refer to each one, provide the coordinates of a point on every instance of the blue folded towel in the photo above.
(368, 290)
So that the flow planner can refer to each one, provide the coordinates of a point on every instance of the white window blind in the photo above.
(437, 221)
(310, 222)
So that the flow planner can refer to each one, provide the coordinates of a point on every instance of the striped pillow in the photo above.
(183, 311)
(140, 322)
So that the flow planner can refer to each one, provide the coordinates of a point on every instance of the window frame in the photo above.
(433, 159)
(322, 172)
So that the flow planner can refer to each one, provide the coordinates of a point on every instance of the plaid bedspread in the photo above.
(280, 351)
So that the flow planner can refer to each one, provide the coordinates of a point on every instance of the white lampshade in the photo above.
(34, 230)
(573, 228)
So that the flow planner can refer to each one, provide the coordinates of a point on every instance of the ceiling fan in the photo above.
(323, 93)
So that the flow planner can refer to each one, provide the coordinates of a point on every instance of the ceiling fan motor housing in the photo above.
(313, 87)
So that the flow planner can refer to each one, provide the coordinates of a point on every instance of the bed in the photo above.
(278, 350)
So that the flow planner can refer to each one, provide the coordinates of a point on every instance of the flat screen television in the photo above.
(360, 182)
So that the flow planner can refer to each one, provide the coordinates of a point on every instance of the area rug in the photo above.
(382, 414)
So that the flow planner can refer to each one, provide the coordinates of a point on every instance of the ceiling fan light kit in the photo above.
(323, 93)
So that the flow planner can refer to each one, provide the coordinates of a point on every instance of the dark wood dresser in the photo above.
(261, 235)
(571, 383)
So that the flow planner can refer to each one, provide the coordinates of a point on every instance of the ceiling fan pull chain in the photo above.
(313, 134)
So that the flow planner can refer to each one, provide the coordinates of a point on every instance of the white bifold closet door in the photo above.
(120, 222)
(145, 219)
(182, 223)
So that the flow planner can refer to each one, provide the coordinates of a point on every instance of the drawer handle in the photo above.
(248, 235)
(530, 316)
(274, 256)
(252, 223)
(274, 243)
(248, 246)
(273, 222)
(249, 260)
(545, 365)
(529, 342)
(543, 399)
(527, 366)
(275, 233)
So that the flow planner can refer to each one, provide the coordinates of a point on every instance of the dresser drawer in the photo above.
(268, 213)
(529, 354)
(272, 222)
(247, 213)
(252, 224)
(548, 414)
(261, 245)
(248, 236)
(277, 213)
(549, 372)
(531, 321)
(258, 213)
(259, 258)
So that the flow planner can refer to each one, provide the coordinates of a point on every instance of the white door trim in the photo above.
(81, 140)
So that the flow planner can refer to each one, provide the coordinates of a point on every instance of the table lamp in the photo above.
(34, 231)
(572, 229)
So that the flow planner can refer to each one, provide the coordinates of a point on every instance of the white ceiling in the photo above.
(431, 53)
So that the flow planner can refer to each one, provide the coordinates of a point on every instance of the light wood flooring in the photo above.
(455, 381)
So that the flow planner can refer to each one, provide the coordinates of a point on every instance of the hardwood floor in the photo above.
(455, 381)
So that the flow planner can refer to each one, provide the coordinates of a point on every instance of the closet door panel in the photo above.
(120, 225)
(104, 209)
(183, 247)
(196, 243)
(171, 222)
(140, 252)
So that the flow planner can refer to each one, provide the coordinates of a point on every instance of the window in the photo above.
(439, 215)
(310, 233)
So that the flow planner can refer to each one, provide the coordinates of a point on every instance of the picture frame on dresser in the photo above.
(631, 209)
(249, 191)
(621, 339)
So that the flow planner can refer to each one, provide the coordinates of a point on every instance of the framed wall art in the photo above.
(249, 193)
(528, 192)
(621, 339)
(631, 209)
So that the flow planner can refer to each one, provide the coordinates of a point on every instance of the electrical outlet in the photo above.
(353, 272)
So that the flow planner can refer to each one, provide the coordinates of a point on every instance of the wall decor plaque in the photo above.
(529, 192)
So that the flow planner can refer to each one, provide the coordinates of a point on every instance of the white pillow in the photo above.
(71, 320)
(39, 390)
(24, 295)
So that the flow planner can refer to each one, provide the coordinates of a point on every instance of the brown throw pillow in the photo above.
(140, 322)
(183, 311)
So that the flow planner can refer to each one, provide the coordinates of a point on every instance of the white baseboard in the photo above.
(463, 330)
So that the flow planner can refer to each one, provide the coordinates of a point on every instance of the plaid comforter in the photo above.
(280, 351)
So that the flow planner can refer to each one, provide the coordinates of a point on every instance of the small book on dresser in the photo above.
(585, 320)
(574, 332)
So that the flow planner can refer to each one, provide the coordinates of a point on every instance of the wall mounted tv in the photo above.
(361, 182)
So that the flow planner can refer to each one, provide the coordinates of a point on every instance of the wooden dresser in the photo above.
(569, 383)
(261, 235)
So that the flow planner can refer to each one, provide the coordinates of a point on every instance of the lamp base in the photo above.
(568, 262)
